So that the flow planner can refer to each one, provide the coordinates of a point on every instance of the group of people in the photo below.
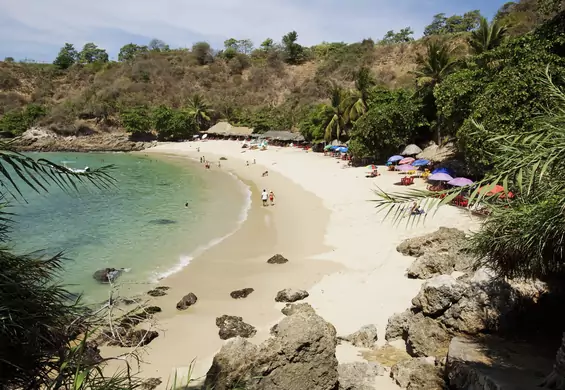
(267, 197)
(207, 163)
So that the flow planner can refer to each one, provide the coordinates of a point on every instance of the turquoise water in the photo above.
(142, 224)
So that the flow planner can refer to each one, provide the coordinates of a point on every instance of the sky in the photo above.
(37, 29)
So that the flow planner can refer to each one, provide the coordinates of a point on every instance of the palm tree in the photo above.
(524, 237)
(435, 65)
(357, 102)
(337, 118)
(487, 36)
(199, 110)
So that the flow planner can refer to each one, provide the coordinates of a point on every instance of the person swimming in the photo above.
(186, 204)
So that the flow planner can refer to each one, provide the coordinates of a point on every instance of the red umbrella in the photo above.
(496, 190)
(407, 160)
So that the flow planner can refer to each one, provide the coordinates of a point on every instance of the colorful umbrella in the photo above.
(460, 182)
(496, 190)
(327, 147)
(440, 177)
(395, 158)
(405, 168)
(406, 160)
(420, 163)
(442, 170)
(372, 166)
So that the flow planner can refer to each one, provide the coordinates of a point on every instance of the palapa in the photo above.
(411, 150)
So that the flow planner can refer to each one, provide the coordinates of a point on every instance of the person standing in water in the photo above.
(264, 197)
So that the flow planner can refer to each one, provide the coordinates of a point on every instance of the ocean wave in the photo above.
(185, 260)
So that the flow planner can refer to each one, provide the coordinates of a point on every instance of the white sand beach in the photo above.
(354, 275)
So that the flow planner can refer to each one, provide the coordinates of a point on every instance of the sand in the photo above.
(340, 249)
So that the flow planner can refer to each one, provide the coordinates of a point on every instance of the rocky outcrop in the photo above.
(277, 259)
(438, 253)
(300, 356)
(243, 293)
(427, 337)
(291, 295)
(438, 294)
(107, 275)
(187, 301)
(398, 324)
(290, 308)
(232, 326)
(359, 375)
(366, 337)
(418, 374)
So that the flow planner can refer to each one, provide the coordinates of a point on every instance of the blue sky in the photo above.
(36, 29)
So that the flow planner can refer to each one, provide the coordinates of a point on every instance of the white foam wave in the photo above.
(185, 260)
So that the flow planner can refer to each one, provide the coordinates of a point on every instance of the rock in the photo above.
(493, 363)
(163, 288)
(152, 310)
(138, 337)
(277, 259)
(398, 324)
(107, 275)
(291, 308)
(243, 293)
(366, 337)
(431, 264)
(91, 355)
(300, 356)
(223, 158)
(469, 315)
(232, 326)
(187, 301)
(440, 241)
(359, 375)
(156, 293)
(162, 221)
(291, 295)
(418, 374)
(438, 294)
(426, 337)
(151, 383)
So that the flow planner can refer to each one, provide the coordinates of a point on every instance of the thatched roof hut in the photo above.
(283, 135)
(411, 150)
(225, 129)
(437, 153)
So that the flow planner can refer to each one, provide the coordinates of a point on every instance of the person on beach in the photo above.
(264, 197)
(198, 150)
(272, 198)
(219, 164)
(266, 173)
(247, 163)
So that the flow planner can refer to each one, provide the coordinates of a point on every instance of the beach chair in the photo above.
(411, 172)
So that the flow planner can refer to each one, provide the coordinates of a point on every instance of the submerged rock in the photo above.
(243, 293)
(187, 301)
(366, 337)
(233, 326)
(162, 221)
(277, 259)
(107, 275)
(291, 295)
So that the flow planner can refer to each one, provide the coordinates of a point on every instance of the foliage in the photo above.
(453, 24)
(404, 35)
(436, 64)
(294, 52)
(233, 47)
(18, 121)
(312, 126)
(9, 59)
(130, 51)
(91, 53)
(393, 120)
(158, 45)
(173, 124)
(487, 36)
(136, 120)
(67, 57)
(199, 111)
(203, 53)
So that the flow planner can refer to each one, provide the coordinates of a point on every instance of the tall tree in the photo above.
(130, 51)
(91, 53)
(357, 102)
(203, 53)
(199, 110)
(67, 57)
(158, 45)
(437, 26)
(294, 52)
(487, 36)
(404, 35)
(337, 120)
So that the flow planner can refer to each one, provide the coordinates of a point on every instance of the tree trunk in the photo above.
(556, 380)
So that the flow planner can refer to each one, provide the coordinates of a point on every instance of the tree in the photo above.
(268, 44)
(357, 104)
(312, 126)
(404, 35)
(136, 121)
(158, 45)
(487, 36)
(173, 124)
(17, 122)
(437, 26)
(130, 51)
(9, 59)
(203, 53)
(199, 111)
(91, 53)
(294, 52)
(67, 57)
(336, 122)
(471, 20)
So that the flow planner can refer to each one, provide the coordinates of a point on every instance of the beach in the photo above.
(339, 248)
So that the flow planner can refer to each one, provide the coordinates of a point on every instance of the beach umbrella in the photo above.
(460, 182)
(406, 160)
(442, 170)
(441, 176)
(372, 166)
(497, 189)
(411, 150)
(395, 158)
(344, 149)
(405, 168)
(327, 147)
(420, 163)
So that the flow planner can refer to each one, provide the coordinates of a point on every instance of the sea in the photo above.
(160, 214)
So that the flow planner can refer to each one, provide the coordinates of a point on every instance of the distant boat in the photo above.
(74, 170)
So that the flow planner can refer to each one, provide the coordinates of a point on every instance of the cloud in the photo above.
(37, 28)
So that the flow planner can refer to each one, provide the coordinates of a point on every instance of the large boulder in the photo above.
(187, 301)
(277, 259)
(398, 324)
(418, 374)
(138, 338)
(243, 293)
(442, 240)
(427, 337)
(292, 308)
(300, 356)
(291, 295)
(232, 326)
(107, 275)
(438, 294)
(366, 337)
(359, 375)
(432, 264)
